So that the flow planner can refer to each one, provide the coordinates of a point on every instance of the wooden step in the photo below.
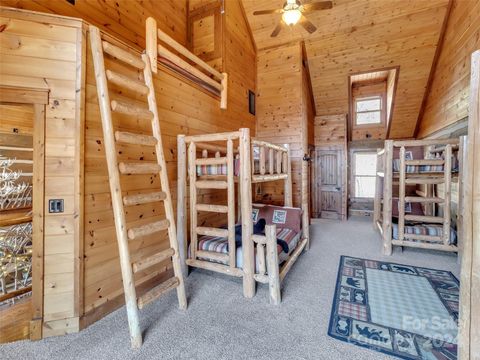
(425, 162)
(139, 168)
(157, 291)
(212, 208)
(135, 139)
(131, 109)
(425, 219)
(211, 161)
(123, 55)
(152, 260)
(138, 199)
(211, 184)
(127, 82)
(148, 229)
(210, 231)
(212, 256)
(427, 200)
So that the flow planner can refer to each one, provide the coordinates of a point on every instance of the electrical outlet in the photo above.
(55, 206)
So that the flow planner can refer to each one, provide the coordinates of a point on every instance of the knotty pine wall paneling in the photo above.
(45, 52)
(447, 100)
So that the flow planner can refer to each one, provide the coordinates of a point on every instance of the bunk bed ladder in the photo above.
(195, 207)
(115, 170)
(430, 199)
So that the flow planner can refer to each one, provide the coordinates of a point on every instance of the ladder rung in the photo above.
(210, 231)
(139, 168)
(212, 255)
(135, 139)
(212, 208)
(157, 291)
(152, 260)
(127, 82)
(425, 162)
(211, 161)
(418, 237)
(419, 199)
(138, 199)
(131, 109)
(123, 55)
(423, 218)
(211, 184)
(413, 180)
(148, 229)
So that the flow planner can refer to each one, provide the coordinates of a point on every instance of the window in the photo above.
(368, 110)
(365, 167)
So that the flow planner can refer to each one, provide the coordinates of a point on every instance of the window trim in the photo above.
(382, 110)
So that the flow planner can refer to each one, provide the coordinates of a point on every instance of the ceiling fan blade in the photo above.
(277, 29)
(266, 12)
(307, 24)
(321, 5)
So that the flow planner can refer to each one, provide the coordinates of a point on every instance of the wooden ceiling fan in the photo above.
(293, 12)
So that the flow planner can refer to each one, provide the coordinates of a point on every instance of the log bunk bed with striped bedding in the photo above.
(243, 161)
(408, 209)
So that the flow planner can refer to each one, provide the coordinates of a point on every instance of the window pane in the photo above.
(369, 104)
(365, 163)
(369, 118)
(365, 186)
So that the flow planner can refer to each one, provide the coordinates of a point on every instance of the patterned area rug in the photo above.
(401, 310)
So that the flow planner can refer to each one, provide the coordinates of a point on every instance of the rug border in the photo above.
(355, 342)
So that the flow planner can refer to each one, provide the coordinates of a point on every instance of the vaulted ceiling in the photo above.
(362, 35)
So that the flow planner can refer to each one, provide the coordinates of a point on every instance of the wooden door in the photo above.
(329, 183)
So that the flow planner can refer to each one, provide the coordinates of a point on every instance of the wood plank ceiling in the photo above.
(362, 35)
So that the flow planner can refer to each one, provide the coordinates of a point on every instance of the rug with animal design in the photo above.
(406, 311)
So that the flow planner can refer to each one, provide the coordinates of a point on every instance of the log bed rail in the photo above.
(387, 178)
(208, 77)
(273, 164)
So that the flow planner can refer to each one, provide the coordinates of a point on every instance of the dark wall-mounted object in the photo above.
(251, 102)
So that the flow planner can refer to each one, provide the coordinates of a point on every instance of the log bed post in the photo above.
(468, 325)
(387, 197)
(272, 264)
(401, 196)
(377, 201)
(245, 180)
(231, 205)
(462, 157)
(447, 196)
(151, 42)
(182, 202)
(288, 181)
(192, 173)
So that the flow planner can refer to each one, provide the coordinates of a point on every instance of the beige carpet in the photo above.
(221, 324)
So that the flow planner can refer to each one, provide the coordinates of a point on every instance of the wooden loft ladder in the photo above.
(115, 170)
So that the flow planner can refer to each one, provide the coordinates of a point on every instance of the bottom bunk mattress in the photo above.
(220, 245)
(425, 229)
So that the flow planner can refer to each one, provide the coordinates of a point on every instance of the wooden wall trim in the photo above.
(23, 95)
(431, 76)
(250, 32)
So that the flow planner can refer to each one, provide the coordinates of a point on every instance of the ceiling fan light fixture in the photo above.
(291, 17)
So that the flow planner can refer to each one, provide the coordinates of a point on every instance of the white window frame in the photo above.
(381, 110)
(354, 174)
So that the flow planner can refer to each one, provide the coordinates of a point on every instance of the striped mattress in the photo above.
(425, 229)
(220, 245)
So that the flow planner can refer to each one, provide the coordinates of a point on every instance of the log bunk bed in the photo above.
(407, 215)
(243, 161)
